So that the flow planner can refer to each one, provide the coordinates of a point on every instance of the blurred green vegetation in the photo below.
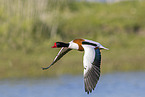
(28, 28)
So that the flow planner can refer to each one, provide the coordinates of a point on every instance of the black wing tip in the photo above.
(44, 68)
(88, 92)
(91, 79)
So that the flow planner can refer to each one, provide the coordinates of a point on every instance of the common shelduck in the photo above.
(91, 59)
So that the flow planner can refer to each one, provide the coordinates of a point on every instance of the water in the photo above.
(110, 85)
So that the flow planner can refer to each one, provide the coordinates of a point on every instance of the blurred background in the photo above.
(28, 29)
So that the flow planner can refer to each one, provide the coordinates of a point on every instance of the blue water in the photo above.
(110, 85)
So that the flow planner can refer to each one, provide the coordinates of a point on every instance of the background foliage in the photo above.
(28, 28)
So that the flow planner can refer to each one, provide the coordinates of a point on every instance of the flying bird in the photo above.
(91, 59)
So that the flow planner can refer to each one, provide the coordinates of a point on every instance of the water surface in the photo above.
(110, 85)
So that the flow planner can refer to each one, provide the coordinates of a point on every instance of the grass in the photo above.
(125, 54)
(27, 33)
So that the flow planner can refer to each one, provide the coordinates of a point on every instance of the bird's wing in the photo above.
(60, 54)
(92, 60)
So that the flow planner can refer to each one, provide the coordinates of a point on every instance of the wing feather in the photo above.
(60, 54)
(91, 68)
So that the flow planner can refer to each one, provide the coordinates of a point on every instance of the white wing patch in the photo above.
(89, 56)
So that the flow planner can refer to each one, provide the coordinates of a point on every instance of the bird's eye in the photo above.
(57, 43)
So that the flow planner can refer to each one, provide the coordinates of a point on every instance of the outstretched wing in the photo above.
(92, 60)
(60, 54)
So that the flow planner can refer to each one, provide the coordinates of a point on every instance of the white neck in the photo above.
(73, 45)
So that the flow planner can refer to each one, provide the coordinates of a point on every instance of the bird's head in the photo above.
(60, 44)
